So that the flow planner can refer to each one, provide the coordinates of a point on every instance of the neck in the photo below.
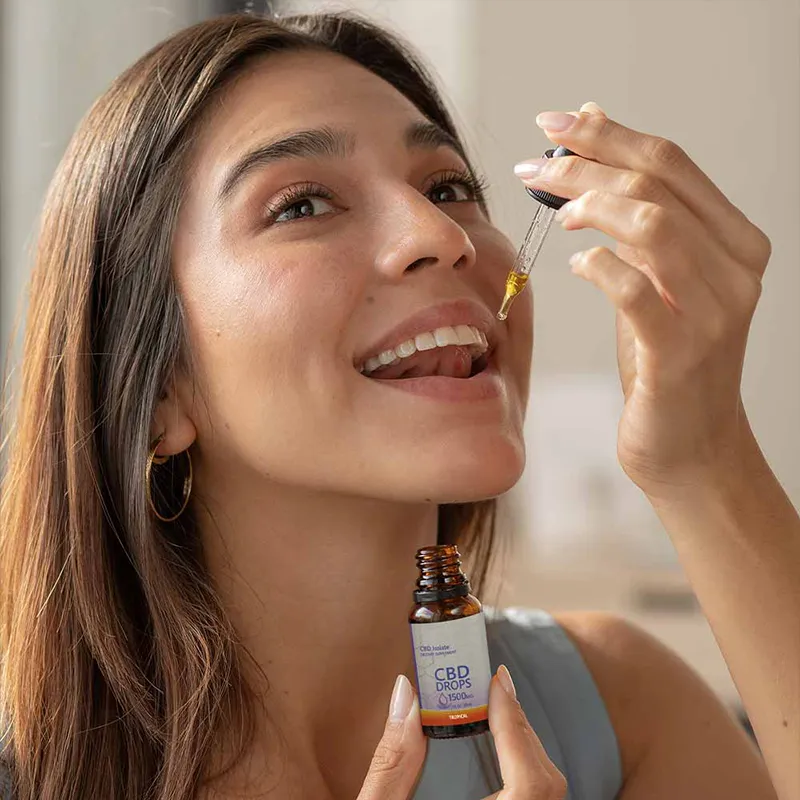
(319, 587)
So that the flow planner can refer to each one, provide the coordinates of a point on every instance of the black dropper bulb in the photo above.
(551, 200)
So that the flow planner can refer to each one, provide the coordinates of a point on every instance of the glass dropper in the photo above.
(534, 239)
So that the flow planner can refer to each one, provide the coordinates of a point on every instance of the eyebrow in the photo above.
(326, 142)
(429, 136)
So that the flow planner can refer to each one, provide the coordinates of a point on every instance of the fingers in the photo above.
(528, 773)
(689, 269)
(705, 275)
(572, 176)
(594, 136)
(630, 291)
(400, 753)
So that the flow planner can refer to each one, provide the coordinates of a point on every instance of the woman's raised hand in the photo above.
(528, 774)
(684, 280)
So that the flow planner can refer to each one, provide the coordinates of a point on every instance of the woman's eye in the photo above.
(452, 192)
(304, 207)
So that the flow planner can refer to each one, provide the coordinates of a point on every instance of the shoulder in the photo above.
(644, 684)
(665, 717)
(632, 671)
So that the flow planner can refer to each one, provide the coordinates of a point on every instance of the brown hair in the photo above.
(119, 664)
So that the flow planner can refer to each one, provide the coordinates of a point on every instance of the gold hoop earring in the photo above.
(152, 458)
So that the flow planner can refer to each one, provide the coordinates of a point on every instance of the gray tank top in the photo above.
(562, 704)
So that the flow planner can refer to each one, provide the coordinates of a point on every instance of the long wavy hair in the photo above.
(119, 663)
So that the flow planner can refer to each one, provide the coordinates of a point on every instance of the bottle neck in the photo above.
(440, 575)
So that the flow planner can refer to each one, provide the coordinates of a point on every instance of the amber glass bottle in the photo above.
(448, 633)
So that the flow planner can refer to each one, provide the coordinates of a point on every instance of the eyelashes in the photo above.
(301, 194)
(293, 196)
(477, 185)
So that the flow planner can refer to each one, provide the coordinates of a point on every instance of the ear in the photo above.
(172, 419)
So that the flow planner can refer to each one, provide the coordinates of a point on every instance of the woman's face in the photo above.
(297, 263)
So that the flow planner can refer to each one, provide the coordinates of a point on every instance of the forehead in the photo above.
(302, 89)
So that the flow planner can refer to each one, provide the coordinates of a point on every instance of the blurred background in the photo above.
(719, 77)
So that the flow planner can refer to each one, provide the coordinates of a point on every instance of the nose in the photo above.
(420, 234)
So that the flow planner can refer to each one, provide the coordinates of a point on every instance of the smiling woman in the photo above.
(215, 495)
(244, 212)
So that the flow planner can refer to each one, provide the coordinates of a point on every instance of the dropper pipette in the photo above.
(534, 238)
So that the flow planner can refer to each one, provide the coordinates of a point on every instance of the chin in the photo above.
(467, 472)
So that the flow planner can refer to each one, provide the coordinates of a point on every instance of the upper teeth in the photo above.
(441, 337)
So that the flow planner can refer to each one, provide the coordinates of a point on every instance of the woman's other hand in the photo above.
(528, 774)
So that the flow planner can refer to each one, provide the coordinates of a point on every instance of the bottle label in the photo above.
(453, 670)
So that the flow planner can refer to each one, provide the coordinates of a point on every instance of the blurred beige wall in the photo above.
(57, 58)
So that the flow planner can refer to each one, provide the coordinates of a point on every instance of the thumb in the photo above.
(398, 758)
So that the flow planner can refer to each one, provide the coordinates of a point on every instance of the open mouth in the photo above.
(460, 353)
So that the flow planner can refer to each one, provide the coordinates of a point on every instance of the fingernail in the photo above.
(576, 261)
(402, 699)
(555, 120)
(592, 106)
(530, 169)
(504, 676)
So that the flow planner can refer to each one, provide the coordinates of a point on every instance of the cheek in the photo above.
(520, 322)
(231, 303)
(494, 251)
(263, 329)
(248, 297)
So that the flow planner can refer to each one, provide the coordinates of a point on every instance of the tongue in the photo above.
(454, 361)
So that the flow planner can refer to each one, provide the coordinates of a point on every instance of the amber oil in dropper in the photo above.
(451, 657)
(515, 283)
(534, 239)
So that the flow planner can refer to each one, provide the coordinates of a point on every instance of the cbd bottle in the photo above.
(448, 633)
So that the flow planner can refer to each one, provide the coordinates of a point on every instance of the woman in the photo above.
(211, 511)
